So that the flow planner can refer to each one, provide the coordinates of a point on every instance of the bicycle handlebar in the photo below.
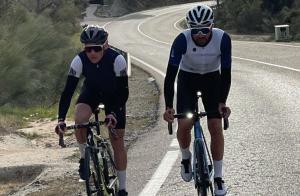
(79, 126)
(86, 125)
(200, 115)
(170, 128)
(225, 123)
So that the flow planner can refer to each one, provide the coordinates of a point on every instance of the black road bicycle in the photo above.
(202, 167)
(99, 167)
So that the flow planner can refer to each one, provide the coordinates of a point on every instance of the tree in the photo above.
(31, 64)
(275, 7)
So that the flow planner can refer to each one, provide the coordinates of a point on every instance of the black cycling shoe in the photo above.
(81, 170)
(220, 188)
(186, 170)
(122, 193)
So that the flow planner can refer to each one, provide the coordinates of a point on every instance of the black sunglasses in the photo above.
(95, 48)
(201, 31)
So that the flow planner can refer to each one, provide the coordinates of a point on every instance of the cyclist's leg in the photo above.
(210, 98)
(186, 99)
(85, 105)
(185, 103)
(82, 115)
(117, 141)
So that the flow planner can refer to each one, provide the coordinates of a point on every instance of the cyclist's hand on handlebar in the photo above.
(168, 115)
(111, 121)
(60, 127)
(224, 110)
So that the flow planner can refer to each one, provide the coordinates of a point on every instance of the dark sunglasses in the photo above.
(201, 31)
(95, 48)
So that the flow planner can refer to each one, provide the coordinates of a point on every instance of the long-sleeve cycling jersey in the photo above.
(189, 57)
(108, 79)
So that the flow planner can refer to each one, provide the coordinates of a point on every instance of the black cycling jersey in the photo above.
(107, 80)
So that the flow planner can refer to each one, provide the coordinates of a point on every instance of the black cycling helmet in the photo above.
(93, 34)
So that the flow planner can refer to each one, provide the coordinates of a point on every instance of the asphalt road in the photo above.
(262, 146)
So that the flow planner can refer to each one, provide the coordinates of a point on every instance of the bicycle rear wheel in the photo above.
(202, 181)
(92, 178)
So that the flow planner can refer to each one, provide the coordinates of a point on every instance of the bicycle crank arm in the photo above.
(113, 183)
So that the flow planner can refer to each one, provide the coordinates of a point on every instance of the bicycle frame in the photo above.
(99, 152)
(97, 142)
(202, 167)
(199, 139)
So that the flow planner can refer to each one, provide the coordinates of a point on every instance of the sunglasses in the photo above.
(201, 31)
(89, 49)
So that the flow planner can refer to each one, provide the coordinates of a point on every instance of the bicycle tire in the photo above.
(109, 171)
(201, 182)
(92, 173)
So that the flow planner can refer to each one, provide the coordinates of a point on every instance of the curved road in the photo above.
(262, 146)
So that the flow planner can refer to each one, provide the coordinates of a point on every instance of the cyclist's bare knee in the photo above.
(184, 125)
(117, 135)
(83, 113)
(214, 126)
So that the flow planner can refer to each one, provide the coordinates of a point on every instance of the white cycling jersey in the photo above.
(202, 59)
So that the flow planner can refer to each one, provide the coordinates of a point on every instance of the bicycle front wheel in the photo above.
(93, 180)
(202, 180)
(109, 171)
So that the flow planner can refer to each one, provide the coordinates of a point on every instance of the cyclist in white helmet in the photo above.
(202, 54)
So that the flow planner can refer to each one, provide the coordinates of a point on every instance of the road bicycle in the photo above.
(99, 168)
(202, 167)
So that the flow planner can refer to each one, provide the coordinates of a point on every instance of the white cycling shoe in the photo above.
(219, 187)
(186, 170)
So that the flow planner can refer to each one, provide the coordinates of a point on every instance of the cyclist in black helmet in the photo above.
(106, 81)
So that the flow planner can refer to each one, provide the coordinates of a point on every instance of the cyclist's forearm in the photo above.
(169, 85)
(66, 97)
(225, 84)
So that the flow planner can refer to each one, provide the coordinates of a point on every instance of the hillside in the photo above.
(121, 7)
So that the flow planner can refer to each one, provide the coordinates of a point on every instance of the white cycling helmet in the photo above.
(199, 16)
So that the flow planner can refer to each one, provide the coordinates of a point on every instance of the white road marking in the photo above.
(266, 43)
(270, 64)
(160, 174)
(164, 168)
(149, 66)
(243, 42)
(176, 24)
(174, 143)
(240, 58)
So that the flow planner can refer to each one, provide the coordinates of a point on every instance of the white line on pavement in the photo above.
(270, 64)
(176, 24)
(160, 174)
(245, 59)
(266, 43)
(164, 168)
(174, 143)
(149, 66)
